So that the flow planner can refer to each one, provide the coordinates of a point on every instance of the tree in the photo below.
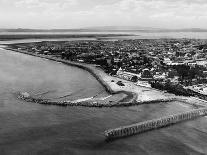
(182, 70)
(134, 78)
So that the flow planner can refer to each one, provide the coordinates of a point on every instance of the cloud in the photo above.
(45, 4)
(161, 13)
(83, 13)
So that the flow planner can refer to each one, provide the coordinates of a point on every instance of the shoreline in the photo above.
(132, 99)
(92, 69)
(131, 95)
(89, 103)
(8, 37)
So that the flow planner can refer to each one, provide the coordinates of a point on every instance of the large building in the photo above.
(127, 75)
(144, 76)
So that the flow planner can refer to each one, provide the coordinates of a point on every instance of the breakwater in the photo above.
(96, 72)
(89, 103)
(153, 124)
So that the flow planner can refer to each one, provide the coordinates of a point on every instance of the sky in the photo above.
(49, 14)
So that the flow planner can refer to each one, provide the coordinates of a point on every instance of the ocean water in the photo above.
(30, 128)
(40, 40)
(130, 35)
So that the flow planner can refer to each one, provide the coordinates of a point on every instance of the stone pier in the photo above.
(153, 124)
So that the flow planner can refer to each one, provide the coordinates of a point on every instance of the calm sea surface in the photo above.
(29, 128)
(132, 35)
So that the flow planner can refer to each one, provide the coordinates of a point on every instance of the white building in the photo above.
(126, 75)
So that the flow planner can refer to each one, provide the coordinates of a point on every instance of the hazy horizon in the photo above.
(71, 14)
(107, 27)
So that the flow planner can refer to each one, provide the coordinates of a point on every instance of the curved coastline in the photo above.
(129, 100)
(89, 103)
(98, 73)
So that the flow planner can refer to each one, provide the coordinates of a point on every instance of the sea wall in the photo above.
(97, 73)
(153, 124)
(85, 103)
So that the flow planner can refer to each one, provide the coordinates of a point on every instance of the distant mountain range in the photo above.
(107, 29)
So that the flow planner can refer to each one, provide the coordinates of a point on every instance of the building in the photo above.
(127, 75)
(146, 75)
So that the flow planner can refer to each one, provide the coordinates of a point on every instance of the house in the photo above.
(146, 75)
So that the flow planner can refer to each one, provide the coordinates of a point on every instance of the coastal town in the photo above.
(177, 66)
(103, 77)
(159, 72)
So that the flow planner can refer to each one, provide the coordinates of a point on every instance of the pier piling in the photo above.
(153, 124)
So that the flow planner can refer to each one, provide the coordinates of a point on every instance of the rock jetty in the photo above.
(28, 98)
(141, 127)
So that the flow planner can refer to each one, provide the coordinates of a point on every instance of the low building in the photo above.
(143, 84)
(127, 75)
(146, 75)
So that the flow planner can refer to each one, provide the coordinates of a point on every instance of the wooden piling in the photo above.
(153, 124)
